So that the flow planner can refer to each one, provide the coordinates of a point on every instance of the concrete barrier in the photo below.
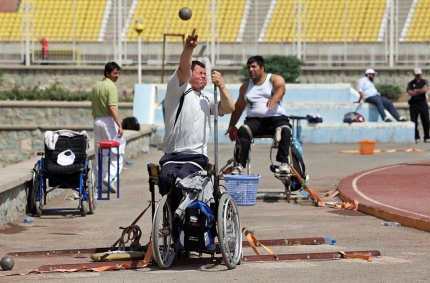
(16, 180)
(331, 101)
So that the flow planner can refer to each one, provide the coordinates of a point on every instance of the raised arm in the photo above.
(239, 106)
(184, 70)
(226, 105)
(278, 83)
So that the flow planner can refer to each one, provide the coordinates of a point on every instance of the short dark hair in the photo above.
(256, 59)
(194, 63)
(110, 66)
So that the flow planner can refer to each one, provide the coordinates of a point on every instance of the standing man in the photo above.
(369, 93)
(262, 96)
(107, 125)
(417, 90)
(187, 119)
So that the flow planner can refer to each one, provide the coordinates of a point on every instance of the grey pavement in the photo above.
(404, 251)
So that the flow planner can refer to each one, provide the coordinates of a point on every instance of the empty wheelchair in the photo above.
(66, 166)
(173, 237)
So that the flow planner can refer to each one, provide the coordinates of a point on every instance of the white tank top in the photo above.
(257, 96)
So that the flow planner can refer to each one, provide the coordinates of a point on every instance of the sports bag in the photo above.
(353, 117)
(196, 230)
(130, 123)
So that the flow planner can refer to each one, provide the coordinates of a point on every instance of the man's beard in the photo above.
(371, 79)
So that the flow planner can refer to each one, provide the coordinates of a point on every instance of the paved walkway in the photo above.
(404, 250)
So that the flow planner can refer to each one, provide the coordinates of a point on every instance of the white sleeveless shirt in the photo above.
(257, 96)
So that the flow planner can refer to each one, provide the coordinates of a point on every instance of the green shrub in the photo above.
(53, 92)
(1, 77)
(392, 92)
(287, 67)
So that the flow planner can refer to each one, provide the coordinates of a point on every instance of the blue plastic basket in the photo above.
(242, 188)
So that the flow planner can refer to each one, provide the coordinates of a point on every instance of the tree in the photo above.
(287, 67)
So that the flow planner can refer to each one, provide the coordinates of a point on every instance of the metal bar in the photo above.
(289, 242)
(216, 127)
(212, 260)
(307, 256)
(270, 242)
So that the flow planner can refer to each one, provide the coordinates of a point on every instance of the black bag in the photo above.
(353, 117)
(196, 232)
(130, 123)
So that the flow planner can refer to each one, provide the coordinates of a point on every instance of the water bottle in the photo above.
(329, 240)
(28, 219)
(388, 223)
(304, 193)
(131, 163)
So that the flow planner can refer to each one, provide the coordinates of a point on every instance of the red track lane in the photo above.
(396, 193)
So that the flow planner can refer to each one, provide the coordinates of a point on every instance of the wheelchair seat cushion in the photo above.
(73, 145)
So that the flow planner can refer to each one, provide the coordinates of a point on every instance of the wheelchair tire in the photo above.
(229, 231)
(91, 189)
(33, 206)
(38, 209)
(84, 208)
(163, 244)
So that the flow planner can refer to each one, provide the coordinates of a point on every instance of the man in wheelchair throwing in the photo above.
(187, 119)
(262, 96)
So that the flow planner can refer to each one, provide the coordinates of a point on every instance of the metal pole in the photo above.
(216, 128)
(213, 34)
(345, 17)
(139, 63)
(299, 32)
(397, 30)
(27, 34)
(255, 27)
(119, 32)
(391, 33)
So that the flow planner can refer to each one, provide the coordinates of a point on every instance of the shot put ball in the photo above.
(185, 13)
(6, 263)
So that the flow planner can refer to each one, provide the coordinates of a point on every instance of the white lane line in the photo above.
(355, 187)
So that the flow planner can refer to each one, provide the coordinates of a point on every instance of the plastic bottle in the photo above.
(131, 163)
(329, 240)
(387, 223)
(28, 219)
(304, 193)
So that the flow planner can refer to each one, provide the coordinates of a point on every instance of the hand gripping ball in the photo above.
(6, 263)
(185, 13)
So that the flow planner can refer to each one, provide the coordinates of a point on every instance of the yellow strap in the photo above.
(359, 256)
(252, 240)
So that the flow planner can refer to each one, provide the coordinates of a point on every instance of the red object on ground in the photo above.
(233, 134)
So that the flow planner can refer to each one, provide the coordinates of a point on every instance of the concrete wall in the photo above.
(75, 78)
(23, 124)
(15, 180)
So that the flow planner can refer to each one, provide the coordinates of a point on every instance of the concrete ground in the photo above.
(404, 251)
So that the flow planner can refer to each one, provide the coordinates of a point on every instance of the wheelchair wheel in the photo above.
(92, 189)
(162, 238)
(84, 208)
(35, 189)
(229, 232)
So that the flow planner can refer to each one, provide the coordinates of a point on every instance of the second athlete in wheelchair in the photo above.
(192, 211)
(262, 97)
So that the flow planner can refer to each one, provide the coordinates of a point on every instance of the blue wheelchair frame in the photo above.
(42, 190)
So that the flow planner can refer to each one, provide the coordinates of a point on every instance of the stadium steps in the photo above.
(256, 17)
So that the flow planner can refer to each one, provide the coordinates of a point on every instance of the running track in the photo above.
(398, 193)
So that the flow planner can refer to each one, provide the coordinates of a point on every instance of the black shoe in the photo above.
(402, 119)
(388, 120)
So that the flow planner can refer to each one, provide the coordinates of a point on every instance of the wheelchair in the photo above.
(65, 167)
(291, 181)
(227, 227)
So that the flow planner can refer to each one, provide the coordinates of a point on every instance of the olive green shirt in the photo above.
(103, 95)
